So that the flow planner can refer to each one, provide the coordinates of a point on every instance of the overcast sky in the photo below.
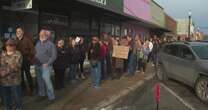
(179, 9)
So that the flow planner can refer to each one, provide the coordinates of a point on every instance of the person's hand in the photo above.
(45, 65)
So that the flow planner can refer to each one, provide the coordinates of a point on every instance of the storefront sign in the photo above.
(121, 52)
(21, 4)
(112, 5)
(157, 14)
(103, 2)
(138, 8)
(52, 19)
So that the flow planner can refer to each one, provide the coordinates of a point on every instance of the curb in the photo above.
(108, 104)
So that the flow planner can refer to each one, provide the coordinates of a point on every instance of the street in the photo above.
(174, 96)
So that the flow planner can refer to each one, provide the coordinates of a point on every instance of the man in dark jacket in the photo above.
(82, 48)
(60, 64)
(26, 47)
(94, 58)
(74, 57)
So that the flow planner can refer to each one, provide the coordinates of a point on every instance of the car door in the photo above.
(184, 65)
(168, 57)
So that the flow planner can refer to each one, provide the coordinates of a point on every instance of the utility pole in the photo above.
(189, 25)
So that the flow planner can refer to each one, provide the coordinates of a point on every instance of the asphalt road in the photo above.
(174, 96)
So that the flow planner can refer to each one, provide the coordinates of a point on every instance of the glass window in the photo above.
(201, 51)
(171, 49)
(185, 53)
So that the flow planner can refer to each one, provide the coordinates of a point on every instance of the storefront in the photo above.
(79, 18)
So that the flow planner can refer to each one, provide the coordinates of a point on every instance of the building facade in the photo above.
(82, 18)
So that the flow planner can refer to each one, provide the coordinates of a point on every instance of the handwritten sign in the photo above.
(121, 52)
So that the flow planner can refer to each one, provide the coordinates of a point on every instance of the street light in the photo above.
(189, 25)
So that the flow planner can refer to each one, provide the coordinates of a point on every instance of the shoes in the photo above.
(51, 101)
(82, 76)
(97, 87)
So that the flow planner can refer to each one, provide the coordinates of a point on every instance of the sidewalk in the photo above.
(82, 96)
(85, 97)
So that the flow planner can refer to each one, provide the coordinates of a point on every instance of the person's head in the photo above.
(129, 38)
(155, 37)
(42, 35)
(81, 40)
(48, 34)
(19, 32)
(73, 43)
(95, 40)
(60, 43)
(10, 45)
(137, 37)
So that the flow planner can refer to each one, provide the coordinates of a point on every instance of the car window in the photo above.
(185, 53)
(171, 50)
(201, 51)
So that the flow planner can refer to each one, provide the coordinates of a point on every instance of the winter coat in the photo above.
(74, 55)
(10, 69)
(26, 48)
(62, 58)
(94, 52)
(83, 50)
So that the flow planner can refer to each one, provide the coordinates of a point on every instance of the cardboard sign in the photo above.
(124, 42)
(121, 52)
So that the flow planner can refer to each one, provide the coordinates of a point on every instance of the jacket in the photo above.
(62, 58)
(103, 50)
(74, 55)
(26, 47)
(10, 69)
(94, 52)
(83, 49)
(45, 53)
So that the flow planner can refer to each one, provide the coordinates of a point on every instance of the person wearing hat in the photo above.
(10, 76)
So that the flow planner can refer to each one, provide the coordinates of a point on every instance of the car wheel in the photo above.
(161, 73)
(201, 89)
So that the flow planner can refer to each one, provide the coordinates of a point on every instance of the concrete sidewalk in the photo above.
(81, 96)
(86, 97)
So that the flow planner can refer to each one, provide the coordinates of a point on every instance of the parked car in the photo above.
(186, 62)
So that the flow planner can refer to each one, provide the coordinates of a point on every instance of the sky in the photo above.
(178, 9)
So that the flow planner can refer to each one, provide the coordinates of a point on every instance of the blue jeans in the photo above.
(44, 82)
(11, 94)
(72, 71)
(96, 74)
(132, 64)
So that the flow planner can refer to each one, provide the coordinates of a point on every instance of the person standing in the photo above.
(109, 46)
(10, 76)
(82, 48)
(44, 58)
(145, 53)
(26, 47)
(103, 53)
(60, 64)
(94, 58)
(74, 57)
(132, 58)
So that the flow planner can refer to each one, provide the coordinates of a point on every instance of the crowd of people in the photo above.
(19, 54)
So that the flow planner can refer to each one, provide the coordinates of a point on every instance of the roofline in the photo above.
(170, 17)
(157, 4)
